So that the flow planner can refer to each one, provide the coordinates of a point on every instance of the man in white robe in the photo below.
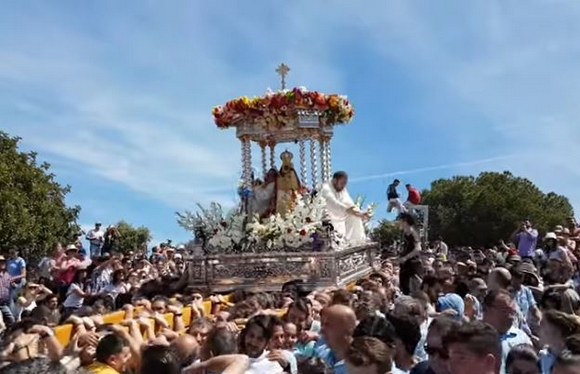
(346, 218)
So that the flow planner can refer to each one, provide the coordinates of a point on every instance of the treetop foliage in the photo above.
(479, 211)
(33, 211)
(132, 238)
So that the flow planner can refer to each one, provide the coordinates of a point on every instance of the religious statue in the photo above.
(287, 184)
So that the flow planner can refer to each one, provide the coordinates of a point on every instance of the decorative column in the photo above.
(313, 164)
(328, 159)
(303, 171)
(272, 155)
(264, 161)
(247, 162)
(322, 148)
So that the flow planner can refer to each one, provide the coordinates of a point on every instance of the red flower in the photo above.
(289, 231)
(215, 231)
(308, 220)
(303, 232)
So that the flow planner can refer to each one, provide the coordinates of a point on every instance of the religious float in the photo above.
(279, 232)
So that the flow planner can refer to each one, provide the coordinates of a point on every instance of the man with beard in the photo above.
(344, 215)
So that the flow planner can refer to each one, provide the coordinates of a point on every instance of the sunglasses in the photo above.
(437, 351)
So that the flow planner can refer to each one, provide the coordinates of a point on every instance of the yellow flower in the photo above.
(333, 101)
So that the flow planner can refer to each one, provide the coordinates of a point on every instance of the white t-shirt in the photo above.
(72, 299)
(45, 267)
(262, 365)
(114, 291)
(443, 249)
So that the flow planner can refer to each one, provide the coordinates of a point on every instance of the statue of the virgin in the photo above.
(287, 184)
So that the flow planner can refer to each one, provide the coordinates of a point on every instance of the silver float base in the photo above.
(269, 271)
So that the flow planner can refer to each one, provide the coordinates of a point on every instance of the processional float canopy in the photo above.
(294, 115)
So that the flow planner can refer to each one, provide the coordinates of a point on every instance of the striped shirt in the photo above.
(5, 280)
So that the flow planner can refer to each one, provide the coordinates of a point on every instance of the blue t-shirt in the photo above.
(325, 353)
(15, 267)
(308, 349)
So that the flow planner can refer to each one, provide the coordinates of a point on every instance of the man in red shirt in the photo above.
(414, 197)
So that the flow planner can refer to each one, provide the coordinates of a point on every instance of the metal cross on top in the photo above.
(282, 71)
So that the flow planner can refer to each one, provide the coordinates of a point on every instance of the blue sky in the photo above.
(117, 96)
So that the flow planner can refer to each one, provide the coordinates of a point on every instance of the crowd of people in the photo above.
(439, 310)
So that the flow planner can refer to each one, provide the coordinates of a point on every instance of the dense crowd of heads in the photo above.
(428, 309)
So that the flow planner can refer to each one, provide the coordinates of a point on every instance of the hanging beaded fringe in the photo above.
(313, 164)
(247, 160)
(328, 157)
(303, 171)
(323, 161)
(272, 157)
(264, 161)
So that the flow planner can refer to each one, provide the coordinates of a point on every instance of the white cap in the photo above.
(180, 247)
(551, 235)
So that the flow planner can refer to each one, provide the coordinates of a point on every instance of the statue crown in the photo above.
(286, 156)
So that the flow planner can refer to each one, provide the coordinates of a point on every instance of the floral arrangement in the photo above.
(300, 228)
(279, 109)
(235, 232)
(359, 202)
(207, 222)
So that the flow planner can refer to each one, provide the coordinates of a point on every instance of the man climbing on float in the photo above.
(413, 198)
(344, 215)
(393, 198)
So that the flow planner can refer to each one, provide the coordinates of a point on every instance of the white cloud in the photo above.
(456, 165)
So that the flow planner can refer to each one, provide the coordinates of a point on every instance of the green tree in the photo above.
(33, 211)
(131, 238)
(467, 210)
(385, 233)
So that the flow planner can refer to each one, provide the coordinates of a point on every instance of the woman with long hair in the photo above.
(76, 294)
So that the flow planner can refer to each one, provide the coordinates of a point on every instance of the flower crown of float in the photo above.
(280, 108)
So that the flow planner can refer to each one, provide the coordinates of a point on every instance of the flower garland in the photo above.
(279, 109)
